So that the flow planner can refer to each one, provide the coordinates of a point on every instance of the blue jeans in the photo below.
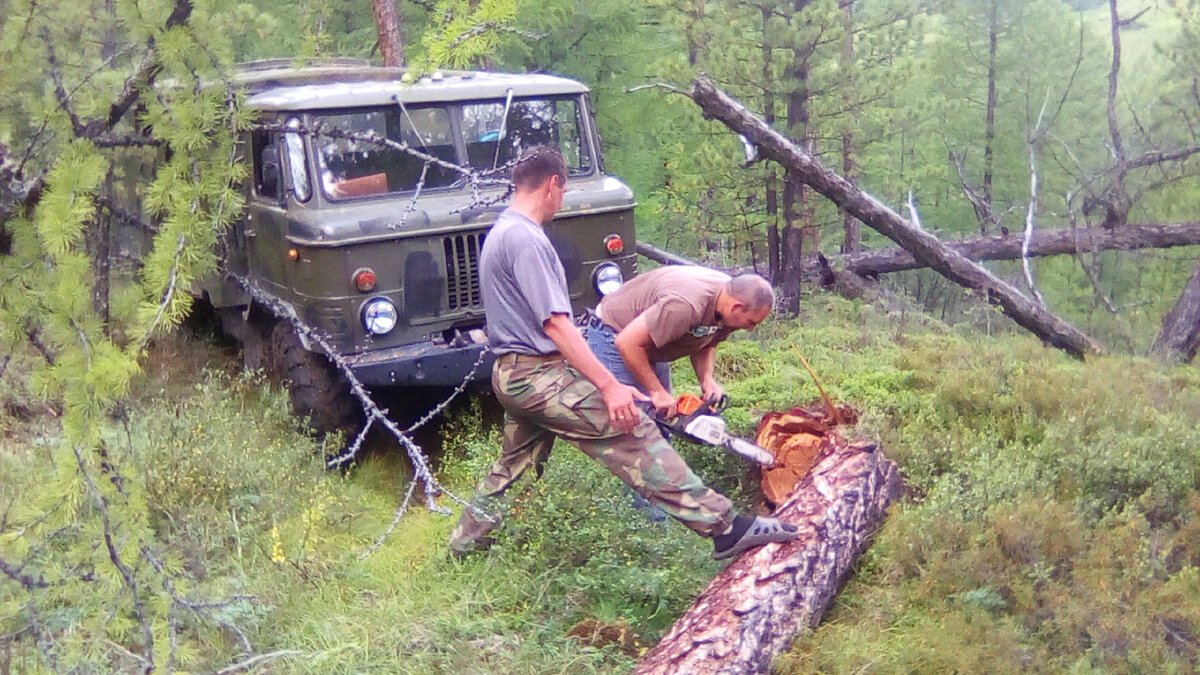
(602, 339)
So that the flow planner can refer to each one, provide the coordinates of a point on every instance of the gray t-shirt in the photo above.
(523, 285)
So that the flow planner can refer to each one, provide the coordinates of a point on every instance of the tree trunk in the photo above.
(387, 24)
(1180, 334)
(755, 607)
(1008, 247)
(773, 244)
(923, 245)
(989, 124)
(850, 233)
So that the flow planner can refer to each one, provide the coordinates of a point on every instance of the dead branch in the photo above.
(1064, 241)
(659, 255)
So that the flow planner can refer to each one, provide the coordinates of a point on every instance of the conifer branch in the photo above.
(13, 572)
(127, 575)
(167, 295)
(60, 91)
(480, 29)
(44, 643)
(126, 141)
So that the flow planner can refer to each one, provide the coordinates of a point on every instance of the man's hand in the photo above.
(664, 403)
(621, 411)
(710, 390)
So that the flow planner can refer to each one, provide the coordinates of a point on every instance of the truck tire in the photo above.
(315, 387)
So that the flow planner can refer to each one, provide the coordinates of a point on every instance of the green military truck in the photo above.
(375, 243)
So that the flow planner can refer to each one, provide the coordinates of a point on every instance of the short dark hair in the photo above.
(536, 165)
(752, 290)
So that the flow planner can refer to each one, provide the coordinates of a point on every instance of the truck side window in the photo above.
(268, 169)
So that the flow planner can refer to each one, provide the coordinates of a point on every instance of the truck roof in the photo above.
(280, 85)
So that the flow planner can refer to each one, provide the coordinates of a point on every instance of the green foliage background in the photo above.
(160, 513)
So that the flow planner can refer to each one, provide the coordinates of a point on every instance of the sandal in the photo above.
(748, 533)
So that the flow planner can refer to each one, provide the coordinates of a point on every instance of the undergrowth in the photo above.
(1050, 522)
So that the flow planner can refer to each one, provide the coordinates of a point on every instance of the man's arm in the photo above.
(618, 397)
(634, 344)
(704, 362)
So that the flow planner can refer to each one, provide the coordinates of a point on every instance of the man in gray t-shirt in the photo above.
(523, 285)
(552, 386)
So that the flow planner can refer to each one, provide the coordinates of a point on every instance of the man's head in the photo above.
(540, 176)
(745, 301)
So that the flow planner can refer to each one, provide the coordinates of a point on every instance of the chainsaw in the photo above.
(699, 421)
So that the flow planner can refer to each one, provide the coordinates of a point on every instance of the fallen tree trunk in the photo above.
(755, 607)
(1180, 335)
(923, 245)
(659, 255)
(1008, 247)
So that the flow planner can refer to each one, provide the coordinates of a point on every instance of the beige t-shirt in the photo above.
(679, 303)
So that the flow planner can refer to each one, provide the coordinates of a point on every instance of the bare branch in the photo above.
(255, 660)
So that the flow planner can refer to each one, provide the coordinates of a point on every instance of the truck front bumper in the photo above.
(421, 364)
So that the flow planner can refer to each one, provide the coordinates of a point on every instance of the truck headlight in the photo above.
(379, 316)
(607, 278)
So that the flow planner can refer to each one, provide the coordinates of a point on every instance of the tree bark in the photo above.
(1180, 335)
(989, 122)
(1008, 247)
(387, 25)
(755, 607)
(924, 246)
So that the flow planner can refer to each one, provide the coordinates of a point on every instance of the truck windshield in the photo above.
(355, 163)
(492, 140)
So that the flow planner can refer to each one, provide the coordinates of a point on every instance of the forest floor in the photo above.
(1050, 522)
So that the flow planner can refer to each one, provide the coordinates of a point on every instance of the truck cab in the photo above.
(370, 193)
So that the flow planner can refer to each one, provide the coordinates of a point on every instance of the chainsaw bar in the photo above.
(705, 427)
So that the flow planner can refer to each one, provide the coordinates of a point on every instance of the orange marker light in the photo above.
(613, 244)
(293, 254)
(364, 280)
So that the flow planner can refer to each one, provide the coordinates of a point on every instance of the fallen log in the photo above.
(1008, 247)
(873, 213)
(665, 257)
(754, 608)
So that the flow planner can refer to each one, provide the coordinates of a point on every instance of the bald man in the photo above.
(669, 313)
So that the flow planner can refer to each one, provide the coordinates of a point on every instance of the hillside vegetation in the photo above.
(1050, 522)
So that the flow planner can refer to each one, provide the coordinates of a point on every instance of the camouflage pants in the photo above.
(544, 398)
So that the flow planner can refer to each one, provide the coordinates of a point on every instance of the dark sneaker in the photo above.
(748, 533)
(471, 533)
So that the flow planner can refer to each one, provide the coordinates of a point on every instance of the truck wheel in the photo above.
(315, 387)
(252, 330)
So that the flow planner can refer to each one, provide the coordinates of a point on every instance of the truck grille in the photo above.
(462, 271)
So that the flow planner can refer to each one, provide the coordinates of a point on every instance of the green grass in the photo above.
(1050, 523)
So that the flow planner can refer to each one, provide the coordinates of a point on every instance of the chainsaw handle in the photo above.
(717, 404)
